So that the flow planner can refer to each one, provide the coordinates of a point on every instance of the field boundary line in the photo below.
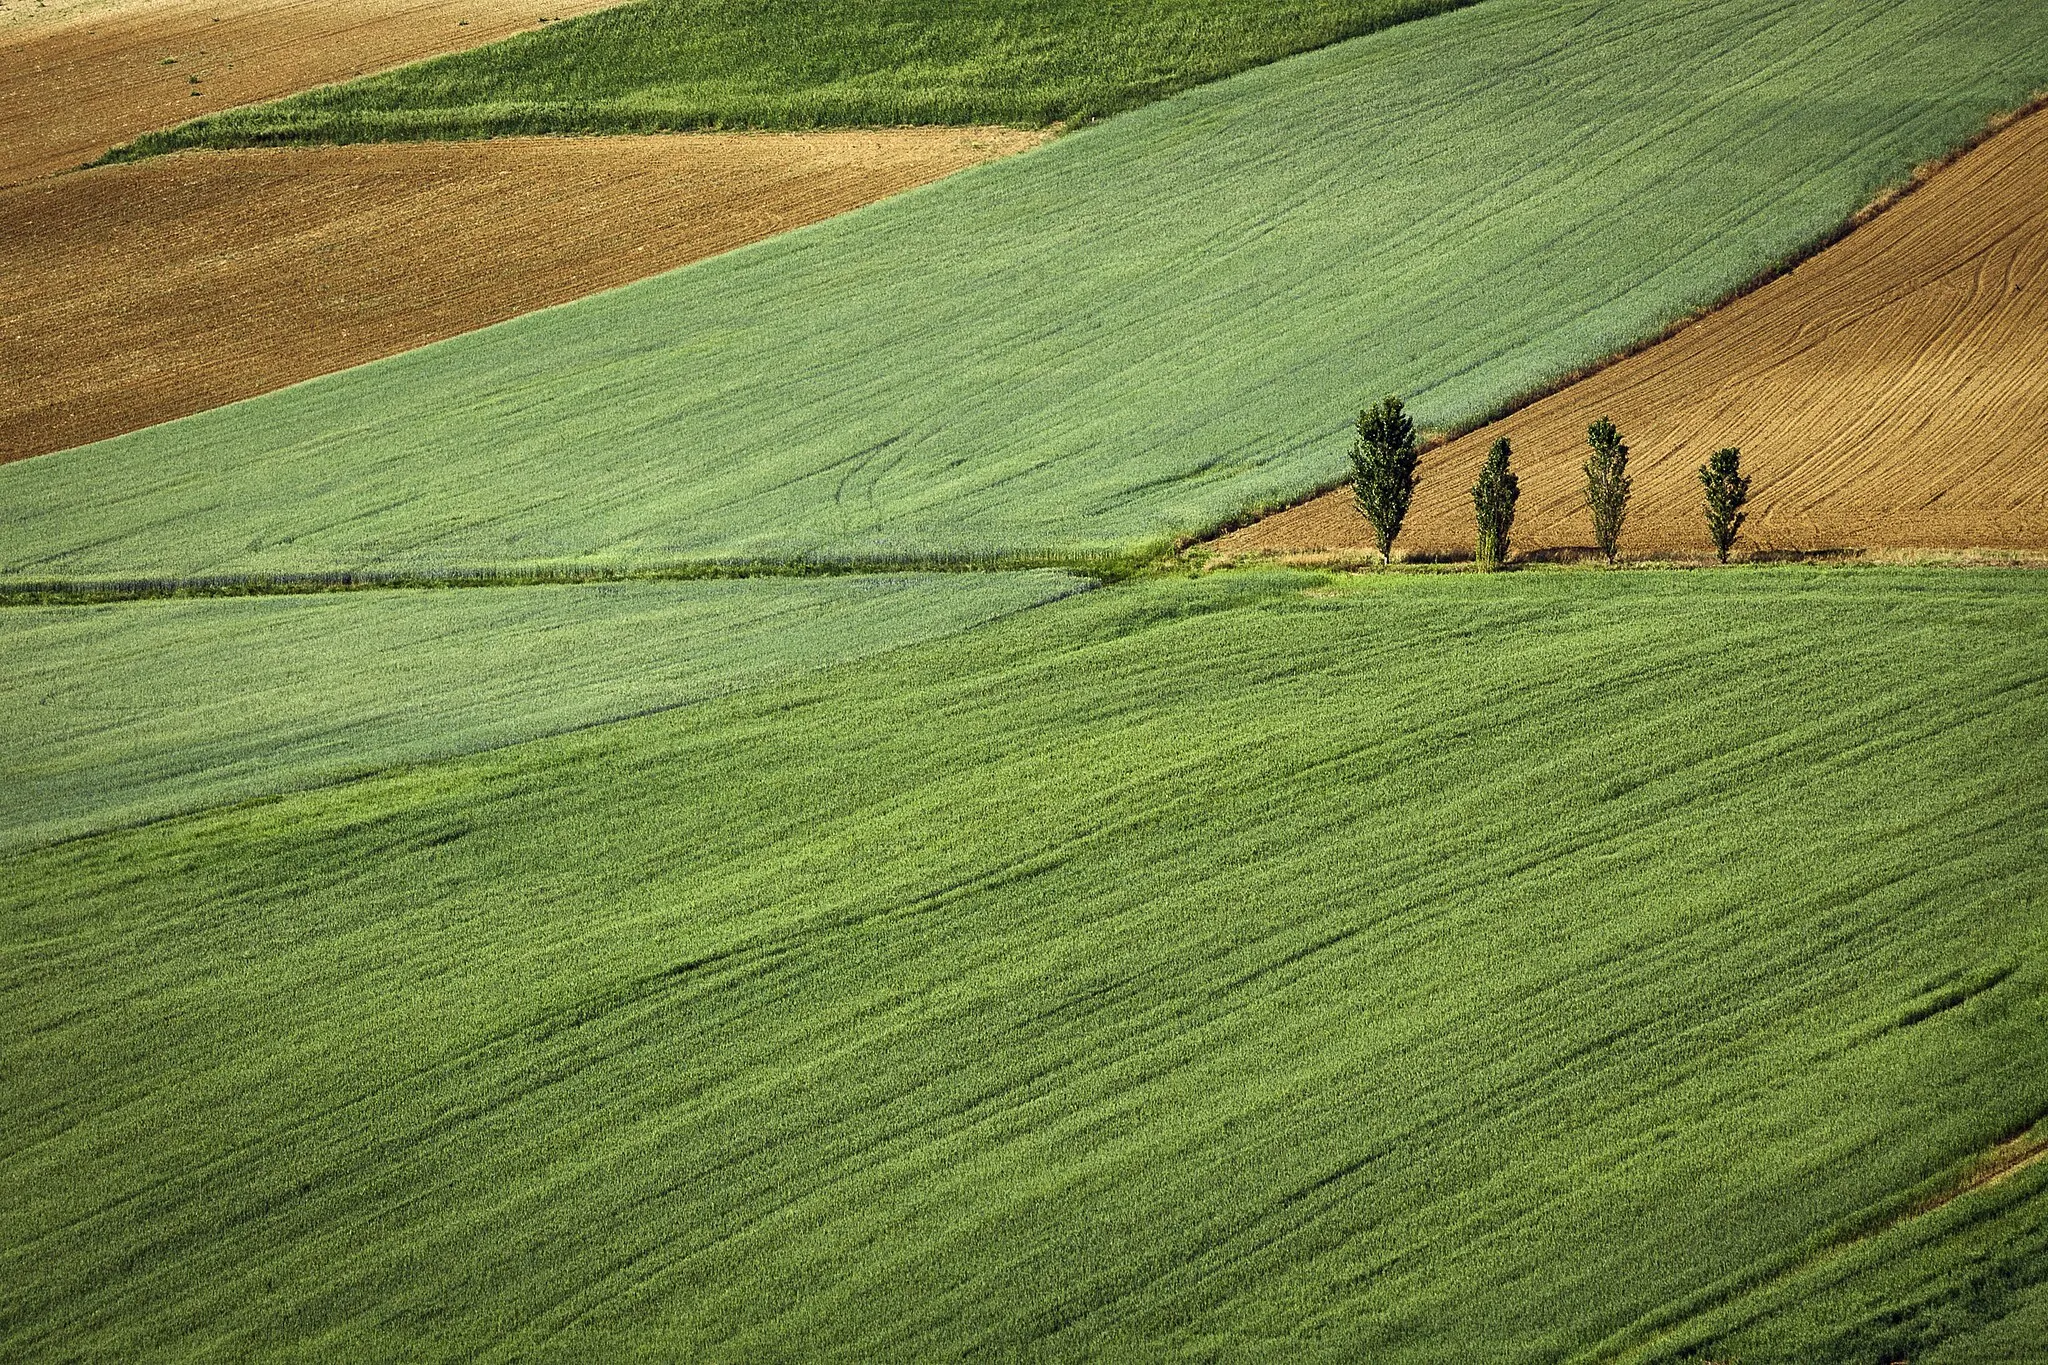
(1104, 568)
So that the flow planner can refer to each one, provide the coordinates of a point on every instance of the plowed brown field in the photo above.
(133, 294)
(102, 71)
(1890, 393)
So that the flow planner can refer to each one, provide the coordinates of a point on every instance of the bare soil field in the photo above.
(80, 76)
(1890, 393)
(133, 294)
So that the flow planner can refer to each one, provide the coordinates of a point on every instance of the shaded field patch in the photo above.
(119, 713)
(666, 65)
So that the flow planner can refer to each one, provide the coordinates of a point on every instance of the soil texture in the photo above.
(133, 294)
(78, 77)
(1889, 393)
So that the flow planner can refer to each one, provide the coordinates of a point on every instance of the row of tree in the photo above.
(1384, 454)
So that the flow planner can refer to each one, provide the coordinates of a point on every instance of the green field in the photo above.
(113, 714)
(1531, 967)
(679, 64)
(1564, 965)
(1130, 334)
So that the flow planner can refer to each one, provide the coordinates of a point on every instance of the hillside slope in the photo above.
(1149, 974)
(1891, 392)
(1131, 333)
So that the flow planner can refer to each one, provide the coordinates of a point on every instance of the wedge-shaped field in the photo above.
(1525, 968)
(138, 294)
(1129, 334)
(662, 65)
(74, 84)
(1891, 392)
(119, 713)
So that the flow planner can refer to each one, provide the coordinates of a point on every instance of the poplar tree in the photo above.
(1607, 484)
(1383, 456)
(1493, 505)
(1727, 490)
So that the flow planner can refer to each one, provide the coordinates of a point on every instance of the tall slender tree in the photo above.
(1727, 491)
(1607, 484)
(1383, 456)
(1493, 505)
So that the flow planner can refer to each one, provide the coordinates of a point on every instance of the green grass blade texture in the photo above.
(115, 714)
(1127, 335)
(677, 64)
(1259, 967)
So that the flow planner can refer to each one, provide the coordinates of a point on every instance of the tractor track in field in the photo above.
(1891, 392)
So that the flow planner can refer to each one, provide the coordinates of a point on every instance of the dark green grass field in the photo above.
(1533, 967)
(682, 64)
(1135, 332)
(118, 713)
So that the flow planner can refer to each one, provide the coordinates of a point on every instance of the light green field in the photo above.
(1129, 334)
(113, 714)
(676, 64)
(1535, 967)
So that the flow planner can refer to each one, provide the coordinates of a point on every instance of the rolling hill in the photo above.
(1128, 335)
(1542, 967)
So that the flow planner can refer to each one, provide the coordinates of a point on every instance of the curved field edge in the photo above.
(116, 714)
(1887, 394)
(1127, 336)
(1137, 975)
(682, 65)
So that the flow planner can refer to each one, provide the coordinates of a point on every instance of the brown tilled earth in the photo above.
(133, 294)
(80, 76)
(1892, 393)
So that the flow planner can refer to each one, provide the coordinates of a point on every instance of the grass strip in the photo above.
(1101, 568)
